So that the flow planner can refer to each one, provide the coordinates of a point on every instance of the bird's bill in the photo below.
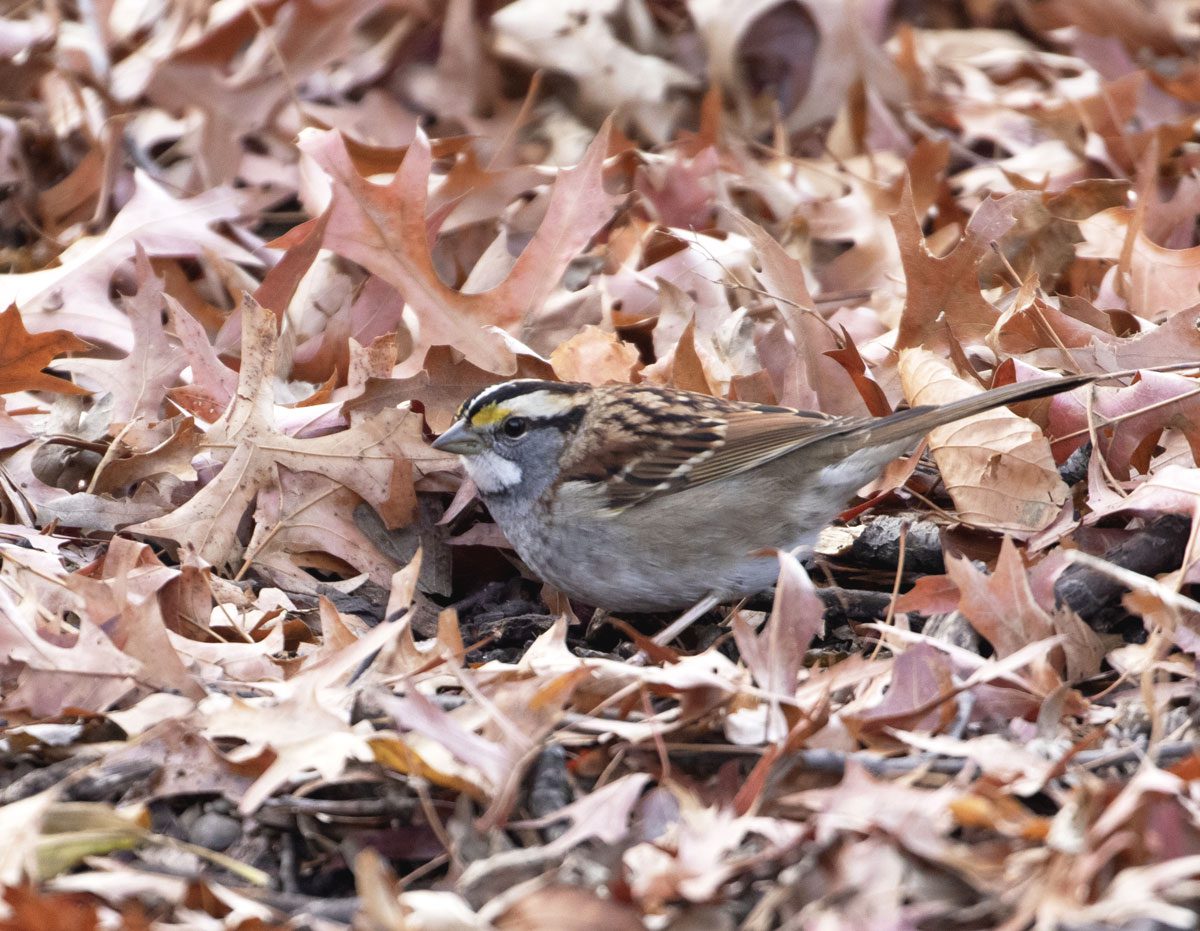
(460, 439)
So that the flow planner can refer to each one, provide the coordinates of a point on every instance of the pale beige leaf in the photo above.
(997, 466)
(595, 356)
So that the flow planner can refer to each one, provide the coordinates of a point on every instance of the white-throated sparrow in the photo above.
(630, 497)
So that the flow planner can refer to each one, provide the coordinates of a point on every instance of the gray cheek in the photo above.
(531, 463)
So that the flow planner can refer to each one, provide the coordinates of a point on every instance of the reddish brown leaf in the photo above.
(24, 355)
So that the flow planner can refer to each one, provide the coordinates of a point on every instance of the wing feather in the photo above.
(722, 445)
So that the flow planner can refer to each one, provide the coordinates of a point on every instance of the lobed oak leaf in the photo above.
(1026, 771)
(305, 721)
(683, 366)
(1159, 282)
(374, 457)
(384, 229)
(604, 814)
(1042, 238)
(943, 297)
(307, 514)
(710, 845)
(213, 383)
(23, 356)
(91, 513)
(187, 762)
(227, 68)
(1031, 322)
(1172, 490)
(91, 674)
(579, 39)
(921, 675)
(304, 734)
(997, 466)
(1124, 418)
(122, 596)
(1176, 338)
(700, 346)
(776, 655)
(74, 294)
(443, 383)
(1003, 609)
(173, 456)
(138, 382)
(810, 371)
(681, 190)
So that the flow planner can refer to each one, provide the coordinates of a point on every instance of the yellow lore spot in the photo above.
(488, 415)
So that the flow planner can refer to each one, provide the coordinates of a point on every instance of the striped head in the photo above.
(510, 435)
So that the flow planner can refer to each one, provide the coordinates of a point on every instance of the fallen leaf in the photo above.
(997, 466)
(24, 355)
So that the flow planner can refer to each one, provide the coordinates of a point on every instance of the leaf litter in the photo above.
(266, 663)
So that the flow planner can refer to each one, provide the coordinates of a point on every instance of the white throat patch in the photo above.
(492, 473)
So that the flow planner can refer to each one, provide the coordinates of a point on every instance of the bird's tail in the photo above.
(917, 421)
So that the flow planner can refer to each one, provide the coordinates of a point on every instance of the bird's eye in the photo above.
(515, 427)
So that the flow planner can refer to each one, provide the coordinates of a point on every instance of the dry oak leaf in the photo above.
(943, 296)
(318, 519)
(1003, 610)
(1129, 421)
(74, 294)
(811, 379)
(1157, 282)
(997, 466)
(139, 381)
(374, 457)
(384, 229)
(595, 356)
(23, 356)
(230, 72)
(442, 383)
(90, 674)
(305, 721)
(579, 39)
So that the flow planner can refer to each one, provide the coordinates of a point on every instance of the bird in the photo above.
(637, 498)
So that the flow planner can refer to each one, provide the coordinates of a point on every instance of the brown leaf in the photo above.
(943, 298)
(139, 382)
(1124, 417)
(443, 383)
(374, 457)
(568, 908)
(384, 229)
(595, 356)
(1002, 608)
(310, 514)
(811, 379)
(920, 675)
(1161, 282)
(24, 355)
(75, 292)
(776, 655)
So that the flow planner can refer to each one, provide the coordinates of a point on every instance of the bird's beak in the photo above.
(459, 439)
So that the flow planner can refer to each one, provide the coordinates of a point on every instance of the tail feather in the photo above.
(917, 421)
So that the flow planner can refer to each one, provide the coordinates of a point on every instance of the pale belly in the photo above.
(669, 552)
(664, 556)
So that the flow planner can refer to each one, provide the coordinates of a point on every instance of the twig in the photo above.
(834, 762)
(1090, 586)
